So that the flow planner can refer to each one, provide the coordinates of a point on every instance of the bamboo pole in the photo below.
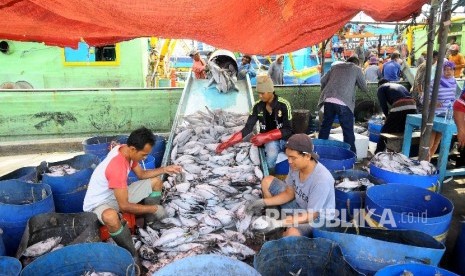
(428, 113)
(323, 50)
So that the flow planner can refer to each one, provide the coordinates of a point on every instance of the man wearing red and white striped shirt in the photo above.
(108, 193)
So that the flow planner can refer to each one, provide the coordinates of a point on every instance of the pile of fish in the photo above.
(205, 203)
(61, 170)
(347, 185)
(224, 75)
(399, 163)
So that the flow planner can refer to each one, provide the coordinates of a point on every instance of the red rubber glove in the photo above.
(266, 137)
(236, 138)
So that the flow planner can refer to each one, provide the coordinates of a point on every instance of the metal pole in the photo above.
(428, 113)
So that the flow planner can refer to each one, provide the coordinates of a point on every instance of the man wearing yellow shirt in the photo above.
(456, 58)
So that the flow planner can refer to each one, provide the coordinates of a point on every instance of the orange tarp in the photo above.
(249, 26)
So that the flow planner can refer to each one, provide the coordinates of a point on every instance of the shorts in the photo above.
(137, 191)
(278, 186)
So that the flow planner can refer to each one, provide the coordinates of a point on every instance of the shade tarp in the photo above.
(248, 26)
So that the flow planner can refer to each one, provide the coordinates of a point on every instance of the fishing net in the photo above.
(258, 27)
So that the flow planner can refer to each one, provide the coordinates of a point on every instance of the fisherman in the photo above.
(402, 104)
(199, 67)
(360, 51)
(307, 195)
(338, 98)
(246, 68)
(276, 70)
(392, 69)
(372, 73)
(273, 114)
(108, 193)
(457, 58)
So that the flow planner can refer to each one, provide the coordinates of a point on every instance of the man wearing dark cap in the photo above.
(274, 116)
(246, 68)
(306, 195)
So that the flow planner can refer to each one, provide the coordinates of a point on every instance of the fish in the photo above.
(42, 247)
(61, 170)
(297, 273)
(260, 223)
(95, 273)
(206, 202)
(399, 163)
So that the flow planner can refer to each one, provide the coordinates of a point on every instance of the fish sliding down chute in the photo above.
(223, 71)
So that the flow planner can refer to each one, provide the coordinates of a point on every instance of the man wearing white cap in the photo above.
(273, 114)
(199, 65)
(305, 196)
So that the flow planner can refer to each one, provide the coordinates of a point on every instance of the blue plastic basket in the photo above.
(207, 265)
(409, 207)
(335, 158)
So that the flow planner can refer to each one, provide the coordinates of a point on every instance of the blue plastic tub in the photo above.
(369, 250)
(98, 145)
(335, 158)
(2, 245)
(331, 143)
(414, 269)
(423, 181)
(69, 190)
(9, 266)
(158, 149)
(20, 201)
(311, 256)
(349, 202)
(147, 164)
(398, 206)
(76, 259)
(374, 130)
(27, 174)
(207, 265)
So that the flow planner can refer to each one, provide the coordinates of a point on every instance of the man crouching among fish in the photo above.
(274, 116)
(108, 192)
(307, 194)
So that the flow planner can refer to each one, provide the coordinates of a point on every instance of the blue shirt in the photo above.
(391, 71)
(248, 68)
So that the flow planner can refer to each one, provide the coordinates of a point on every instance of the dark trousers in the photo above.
(395, 123)
(346, 119)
